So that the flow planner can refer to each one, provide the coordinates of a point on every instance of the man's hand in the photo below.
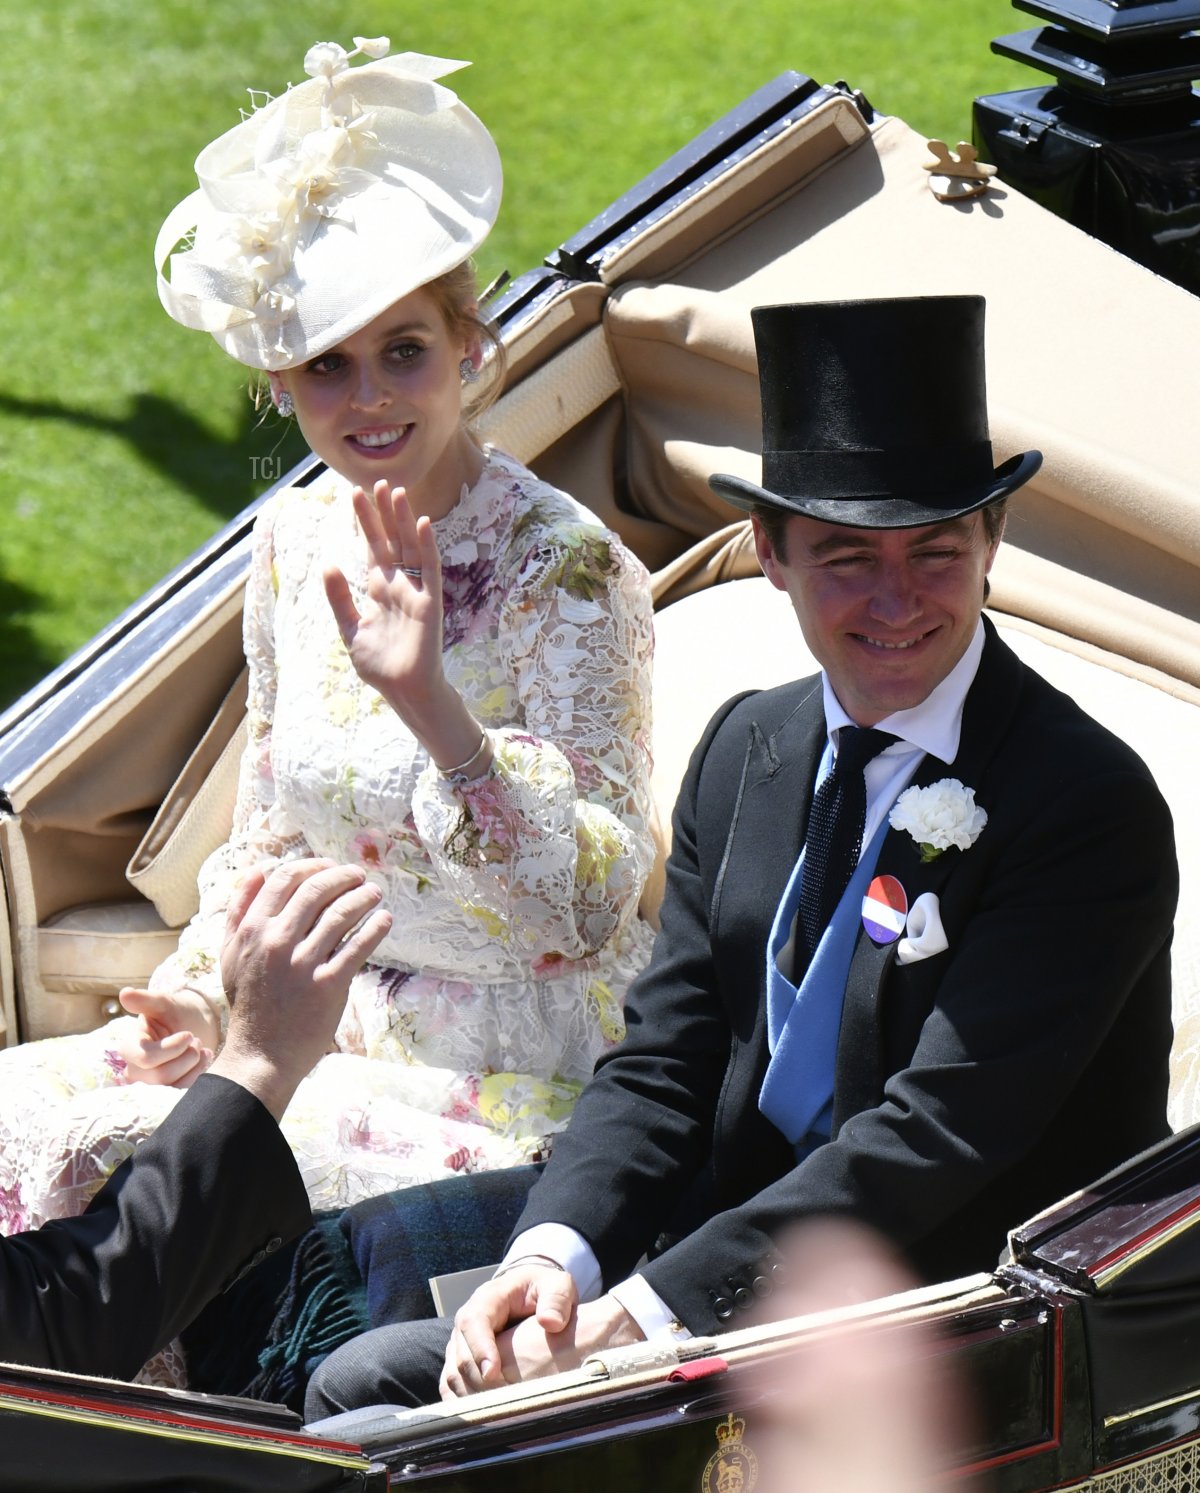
(526, 1324)
(531, 1351)
(530, 1289)
(293, 942)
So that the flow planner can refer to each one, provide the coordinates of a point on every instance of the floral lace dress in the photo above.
(514, 898)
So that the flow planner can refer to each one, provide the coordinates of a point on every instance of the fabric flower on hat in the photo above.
(264, 244)
(324, 166)
(325, 59)
(943, 816)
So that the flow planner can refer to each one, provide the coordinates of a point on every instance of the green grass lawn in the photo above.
(124, 440)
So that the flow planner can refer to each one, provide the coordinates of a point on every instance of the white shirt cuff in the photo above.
(567, 1248)
(648, 1309)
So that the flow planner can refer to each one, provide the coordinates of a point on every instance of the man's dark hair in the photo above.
(993, 518)
(774, 522)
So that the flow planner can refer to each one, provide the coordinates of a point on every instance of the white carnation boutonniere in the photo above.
(943, 816)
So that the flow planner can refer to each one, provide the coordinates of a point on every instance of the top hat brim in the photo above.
(884, 511)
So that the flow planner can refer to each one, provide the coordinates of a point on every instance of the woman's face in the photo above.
(386, 403)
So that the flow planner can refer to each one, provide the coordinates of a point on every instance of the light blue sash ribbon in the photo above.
(803, 1023)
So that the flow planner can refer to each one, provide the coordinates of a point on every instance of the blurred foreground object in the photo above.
(860, 1410)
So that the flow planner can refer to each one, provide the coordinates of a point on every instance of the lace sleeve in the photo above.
(259, 835)
(551, 849)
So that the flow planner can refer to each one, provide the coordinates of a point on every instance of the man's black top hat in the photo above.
(874, 413)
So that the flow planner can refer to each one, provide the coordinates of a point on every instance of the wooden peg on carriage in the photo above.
(954, 177)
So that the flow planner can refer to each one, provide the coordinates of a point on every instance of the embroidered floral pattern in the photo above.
(490, 826)
(115, 1064)
(582, 560)
(13, 1217)
(514, 898)
(467, 594)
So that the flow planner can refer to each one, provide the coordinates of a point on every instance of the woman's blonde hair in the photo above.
(456, 295)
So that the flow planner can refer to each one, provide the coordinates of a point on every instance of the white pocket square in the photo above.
(923, 932)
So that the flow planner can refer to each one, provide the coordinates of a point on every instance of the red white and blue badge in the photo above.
(884, 910)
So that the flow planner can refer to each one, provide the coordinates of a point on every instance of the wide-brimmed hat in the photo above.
(874, 413)
(328, 204)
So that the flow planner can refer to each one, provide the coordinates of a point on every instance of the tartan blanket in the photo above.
(398, 1241)
(363, 1267)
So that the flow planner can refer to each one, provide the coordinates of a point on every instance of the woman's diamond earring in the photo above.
(468, 372)
(285, 404)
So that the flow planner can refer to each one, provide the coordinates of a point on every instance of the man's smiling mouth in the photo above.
(863, 637)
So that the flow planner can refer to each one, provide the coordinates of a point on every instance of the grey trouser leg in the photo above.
(399, 1364)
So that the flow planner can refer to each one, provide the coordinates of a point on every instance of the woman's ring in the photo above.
(412, 570)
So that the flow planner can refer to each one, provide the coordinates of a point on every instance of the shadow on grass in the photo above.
(23, 660)
(224, 475)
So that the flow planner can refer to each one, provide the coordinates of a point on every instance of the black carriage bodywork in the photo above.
(1081, 1354)
(1082, 1349)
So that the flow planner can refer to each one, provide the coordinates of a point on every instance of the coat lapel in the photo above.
(766, 830)
(771, 813)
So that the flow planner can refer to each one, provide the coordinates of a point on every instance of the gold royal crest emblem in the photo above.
(733, 1467)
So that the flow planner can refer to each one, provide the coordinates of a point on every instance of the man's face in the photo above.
(886, 612)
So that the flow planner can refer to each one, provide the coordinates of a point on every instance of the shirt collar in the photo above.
(935, 725)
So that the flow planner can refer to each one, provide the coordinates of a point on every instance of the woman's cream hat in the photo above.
(327, 205)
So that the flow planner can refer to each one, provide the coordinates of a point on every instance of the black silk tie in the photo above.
(835, 830)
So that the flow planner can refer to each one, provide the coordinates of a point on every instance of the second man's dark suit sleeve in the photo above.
(642, 1129)
(209, 1194)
